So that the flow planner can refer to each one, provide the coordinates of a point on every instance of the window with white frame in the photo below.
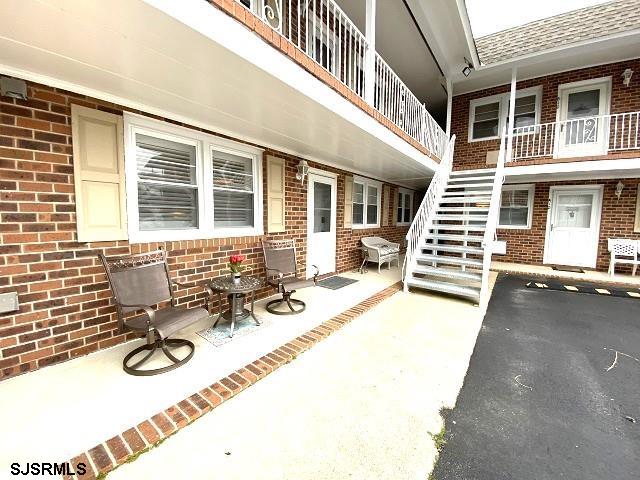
(404, 211)
(183, 184)
(489, 115)
(366, 203)
(516, 206)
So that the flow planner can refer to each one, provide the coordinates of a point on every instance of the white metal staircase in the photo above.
(449, 243)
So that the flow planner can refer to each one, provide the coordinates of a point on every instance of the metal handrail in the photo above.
(426, 212)
(322, 30)
(492, 220)
(614, 132)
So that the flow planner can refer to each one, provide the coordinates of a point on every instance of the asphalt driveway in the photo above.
(545, 396)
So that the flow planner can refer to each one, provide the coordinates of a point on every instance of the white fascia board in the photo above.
(231, 34)
(596, 169)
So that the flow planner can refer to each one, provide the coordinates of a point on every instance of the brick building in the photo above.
(204, 132)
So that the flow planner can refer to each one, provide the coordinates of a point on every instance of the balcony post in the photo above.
(370, 60)
(512, 113)
(449, 106)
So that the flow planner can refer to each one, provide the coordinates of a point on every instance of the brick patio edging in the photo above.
(116, 451)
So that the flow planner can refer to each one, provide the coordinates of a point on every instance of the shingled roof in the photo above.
(571, 27)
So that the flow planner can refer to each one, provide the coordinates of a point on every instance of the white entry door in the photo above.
(573, 226)
(582, 129)
(321, 223)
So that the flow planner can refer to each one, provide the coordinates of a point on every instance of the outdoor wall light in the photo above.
(14, 88)
(619, 188)
(626, 77)
(466, 71)
(303, 171)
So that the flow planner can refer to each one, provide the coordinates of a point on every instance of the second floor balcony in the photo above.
(594, 137)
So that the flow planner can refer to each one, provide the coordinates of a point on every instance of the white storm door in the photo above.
(583, 131)
(573, 227)
(321, 224)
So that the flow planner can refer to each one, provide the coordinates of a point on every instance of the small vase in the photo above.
(235, 278)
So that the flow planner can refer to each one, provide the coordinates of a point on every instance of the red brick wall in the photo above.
(617, 221)
(469, 155)
(65, 304)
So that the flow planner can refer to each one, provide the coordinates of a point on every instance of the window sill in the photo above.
(403, 224)
(364, 227)
(487, 139)
(511, 227)
(181, 235)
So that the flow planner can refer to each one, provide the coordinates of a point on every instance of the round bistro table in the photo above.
(236, 294)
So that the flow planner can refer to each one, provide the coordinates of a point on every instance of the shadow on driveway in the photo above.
(538, 401)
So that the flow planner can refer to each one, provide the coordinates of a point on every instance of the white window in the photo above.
(516, 206)
(404, 214)
(366, 203)
(489, 115)
(185, 185)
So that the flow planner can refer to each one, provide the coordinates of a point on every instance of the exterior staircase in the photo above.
(450, 240)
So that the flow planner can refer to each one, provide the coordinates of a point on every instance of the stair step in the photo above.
(465, 179)
(476, 218)
(449, 260)
(480, 171)
(454, 238)
(467, 194)
(452, 248)
(449, 226)
(463, 209)
(477, 199)
(447, 273)
(468, 185)
(450, 288)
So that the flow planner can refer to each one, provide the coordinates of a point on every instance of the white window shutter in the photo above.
(98, 168)
(348, 201)
(275, 195)
(385, 205)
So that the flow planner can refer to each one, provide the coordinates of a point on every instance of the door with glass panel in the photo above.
(321, 224)
(573, 227)
(583, 130)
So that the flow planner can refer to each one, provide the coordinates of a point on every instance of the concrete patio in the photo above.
(58, 412)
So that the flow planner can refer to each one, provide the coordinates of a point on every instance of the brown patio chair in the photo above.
(138, 282)
(282, 274)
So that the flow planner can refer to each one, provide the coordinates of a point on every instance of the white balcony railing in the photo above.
(586, 136)
(321, 30)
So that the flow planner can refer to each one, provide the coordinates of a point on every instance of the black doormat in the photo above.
(335, 283)
(567, 268)
(604, 291)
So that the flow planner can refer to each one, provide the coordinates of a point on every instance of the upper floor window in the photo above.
(404, 212)
(366, 203)
(183, 184)
(516, 206)
(488, 116)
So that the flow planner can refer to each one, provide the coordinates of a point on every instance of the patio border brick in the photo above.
(149, 433)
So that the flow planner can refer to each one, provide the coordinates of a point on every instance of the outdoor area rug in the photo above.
(337, 282)
(606, 291)
(219, 335)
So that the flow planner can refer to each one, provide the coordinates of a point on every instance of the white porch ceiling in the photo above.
(217, 75)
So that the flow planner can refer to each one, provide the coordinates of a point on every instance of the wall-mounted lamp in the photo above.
(303, 171)
(13, 87)
(466, 71)
(626, 77)
(619, 188)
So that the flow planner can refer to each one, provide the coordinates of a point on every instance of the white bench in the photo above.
(623, 251)
(381, 251)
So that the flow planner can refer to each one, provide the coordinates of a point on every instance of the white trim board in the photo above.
(587, 170)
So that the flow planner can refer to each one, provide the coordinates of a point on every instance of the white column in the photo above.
(512, 113)
(370, 62)
(449, 105)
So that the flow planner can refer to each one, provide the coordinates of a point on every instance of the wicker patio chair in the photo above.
(381, 251)
(139, 282)
(282, 274)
